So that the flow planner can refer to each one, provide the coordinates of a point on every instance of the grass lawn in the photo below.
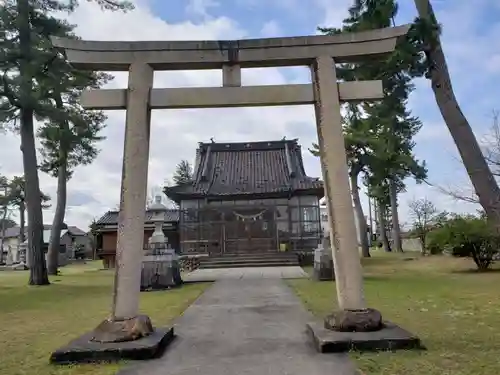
(454, 311)
(36, 320)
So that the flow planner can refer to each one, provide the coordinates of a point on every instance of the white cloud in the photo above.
(271, 29)
(334, 12)
(201, 8)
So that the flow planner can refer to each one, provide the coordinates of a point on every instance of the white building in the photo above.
(72, 239)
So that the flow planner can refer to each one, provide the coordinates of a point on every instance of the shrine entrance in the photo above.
(250, 230)
(319, 52)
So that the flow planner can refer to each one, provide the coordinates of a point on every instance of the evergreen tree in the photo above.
(358, 151)
(183, 173)
(17, 198)
(93, 233)
(68, 136)
(25, 30)
(391, 126)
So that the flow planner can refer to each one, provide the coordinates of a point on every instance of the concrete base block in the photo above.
(391, 337)
(83, 350)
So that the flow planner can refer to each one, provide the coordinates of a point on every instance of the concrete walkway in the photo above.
(244, 327)
(216, 274)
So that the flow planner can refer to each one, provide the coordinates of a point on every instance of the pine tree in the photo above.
(183, 173)
(357, 136)
(17, 196)
(68, 136)
(25, 30)
(391, 125)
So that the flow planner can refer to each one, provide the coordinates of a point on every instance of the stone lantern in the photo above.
(160, 266)
(158, 241)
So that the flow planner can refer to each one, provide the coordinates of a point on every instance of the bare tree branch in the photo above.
(491, 151)
(464, 196)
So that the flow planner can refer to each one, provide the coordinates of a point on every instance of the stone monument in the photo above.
(160, 266)
(319, 52)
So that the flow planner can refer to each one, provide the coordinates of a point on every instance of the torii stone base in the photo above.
(85, 350)
(390, 337)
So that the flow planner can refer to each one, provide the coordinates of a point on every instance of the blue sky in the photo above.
(471, 31)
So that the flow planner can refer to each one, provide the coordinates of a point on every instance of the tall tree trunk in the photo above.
(396, 229)
(477, 168)
(58, 221)
(4, 228)
(358, 209)
(370, 218)
(38, 270)
(382, 228)
(22, 222)
(62, 178)
(94, 246)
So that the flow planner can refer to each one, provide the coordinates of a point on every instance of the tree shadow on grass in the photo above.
(475, 271)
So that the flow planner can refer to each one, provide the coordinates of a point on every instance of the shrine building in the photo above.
(249, 197)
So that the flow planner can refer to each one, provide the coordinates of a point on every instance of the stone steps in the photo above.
(274, 255)
(250, 260)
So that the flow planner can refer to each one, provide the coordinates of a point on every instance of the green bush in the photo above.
(465, 236)
(437, 241)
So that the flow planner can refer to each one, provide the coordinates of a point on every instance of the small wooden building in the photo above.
(248, 197)
(107, 228)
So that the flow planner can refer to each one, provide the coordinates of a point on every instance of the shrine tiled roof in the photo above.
(111, 217)
(248, 168)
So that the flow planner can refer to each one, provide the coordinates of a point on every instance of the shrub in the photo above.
(434, 248)
(466, 237)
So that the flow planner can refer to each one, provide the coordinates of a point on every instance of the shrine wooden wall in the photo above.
(258, 225)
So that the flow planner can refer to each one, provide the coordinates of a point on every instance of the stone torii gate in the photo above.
(142, 58)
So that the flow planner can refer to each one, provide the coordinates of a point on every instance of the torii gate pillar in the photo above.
(140, 59)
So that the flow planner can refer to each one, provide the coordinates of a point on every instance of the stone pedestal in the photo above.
(323, 262)
(161, 270)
